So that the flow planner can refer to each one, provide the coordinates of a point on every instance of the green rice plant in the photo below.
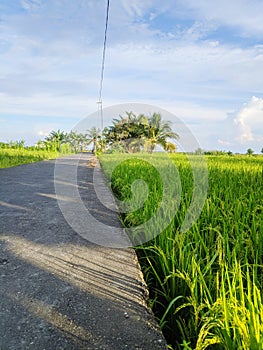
(238, 309)
(14, 156)
(205, 284)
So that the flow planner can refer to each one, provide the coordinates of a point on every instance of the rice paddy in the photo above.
(14, 156)
(205, 284)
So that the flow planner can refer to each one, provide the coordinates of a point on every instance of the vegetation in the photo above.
(15, 156)
(250, 152)
(133, 133)
(127, 134)
(61, 141)
(95, 137)
(55, 144)
(206, 284)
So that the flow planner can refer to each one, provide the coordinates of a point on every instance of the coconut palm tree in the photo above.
(136, 132)
(158, 131)
(94, 136)
(126, 132)
(56, 138)
(170, 147)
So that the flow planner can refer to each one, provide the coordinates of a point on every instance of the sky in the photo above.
(201, 60)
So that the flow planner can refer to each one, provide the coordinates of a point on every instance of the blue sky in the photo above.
(201, 60)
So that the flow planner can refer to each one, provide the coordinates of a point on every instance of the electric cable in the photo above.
(103, 63)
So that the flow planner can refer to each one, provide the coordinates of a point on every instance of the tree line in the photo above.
(133, 133)
(130, 133)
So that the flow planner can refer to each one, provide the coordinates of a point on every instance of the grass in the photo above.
(206, 284)
(13, 156)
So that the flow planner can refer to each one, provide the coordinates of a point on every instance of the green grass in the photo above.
(15, 156)
(206, 284)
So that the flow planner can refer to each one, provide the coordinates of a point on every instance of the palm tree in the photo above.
(83, 141)
(170, 147)
(133, 132)
(158, 131)
(94, 136)
(56, 138)
(126, 132)
(73, 140)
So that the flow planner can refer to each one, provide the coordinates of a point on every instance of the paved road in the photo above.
(58, 290)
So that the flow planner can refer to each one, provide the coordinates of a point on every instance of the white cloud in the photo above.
(46, 105)
(196, 73)
(249, 121)
(30, 5)
(42, 133)
(245, 15)
(191, 72)
(136, 7)
(224, 142)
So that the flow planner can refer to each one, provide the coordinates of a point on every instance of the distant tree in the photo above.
(139, 132)
(40, 144)
(157, 131)
(250, 152)
(72, 139)
(94, 136)
(125, 128)
(17, 144)
(21, 144)
(55, 139)
(78, 141)
(199, 150)
(83, 141)
(262, 150)
(4, 145)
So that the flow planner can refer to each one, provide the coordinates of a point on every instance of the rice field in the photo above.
(206, 284)
(16, 156)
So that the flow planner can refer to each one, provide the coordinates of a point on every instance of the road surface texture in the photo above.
(58, 290)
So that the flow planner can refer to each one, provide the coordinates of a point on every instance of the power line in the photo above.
(103, 62)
